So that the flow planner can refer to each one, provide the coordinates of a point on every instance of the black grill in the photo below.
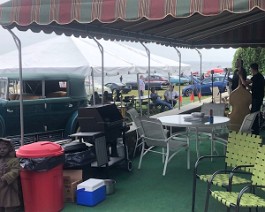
(101, 118)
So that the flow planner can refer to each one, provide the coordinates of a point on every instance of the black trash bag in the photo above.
(41, 164)
(77, 159)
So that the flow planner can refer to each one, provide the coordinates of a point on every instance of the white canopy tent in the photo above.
(67, 54)
(139, 58)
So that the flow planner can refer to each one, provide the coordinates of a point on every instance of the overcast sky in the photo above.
(27, 38)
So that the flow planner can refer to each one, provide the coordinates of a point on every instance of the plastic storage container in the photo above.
(42, 187)
(91, 192)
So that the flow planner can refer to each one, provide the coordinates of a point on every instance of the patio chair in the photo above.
(248, 122)
(241, 151)
(246, 127)
(248, 196)
(218, 110)
(135, 116)
(168, 147)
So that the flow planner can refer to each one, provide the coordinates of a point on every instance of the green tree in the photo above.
(251, 55)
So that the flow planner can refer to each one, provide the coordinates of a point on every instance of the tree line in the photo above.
(251, 55)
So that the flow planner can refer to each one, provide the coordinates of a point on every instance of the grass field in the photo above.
(185, 100)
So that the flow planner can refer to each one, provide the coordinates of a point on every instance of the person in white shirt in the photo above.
(171, 95)
(141, 85)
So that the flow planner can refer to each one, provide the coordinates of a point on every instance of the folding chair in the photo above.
(248, 196)
(155, 136)
(241, 150)
(135, 116)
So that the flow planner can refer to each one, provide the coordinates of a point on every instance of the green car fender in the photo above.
(72, 124)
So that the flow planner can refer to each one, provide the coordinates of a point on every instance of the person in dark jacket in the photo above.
(256, 84)
(9, 173)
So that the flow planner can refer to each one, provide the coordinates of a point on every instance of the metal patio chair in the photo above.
(240, 155)
(247, 197)
(156, 136)
(135, 116)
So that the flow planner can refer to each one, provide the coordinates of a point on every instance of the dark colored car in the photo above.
(50, 105)
(157, 81)
(205, 86)
(118, 86)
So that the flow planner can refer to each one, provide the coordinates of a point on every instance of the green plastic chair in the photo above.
(241, 151)
(248, 196)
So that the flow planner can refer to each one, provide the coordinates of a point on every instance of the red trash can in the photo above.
(42, 176)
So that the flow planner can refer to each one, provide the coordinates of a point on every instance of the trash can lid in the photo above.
(40, 149)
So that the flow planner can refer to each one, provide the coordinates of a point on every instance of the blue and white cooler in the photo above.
(91, 192)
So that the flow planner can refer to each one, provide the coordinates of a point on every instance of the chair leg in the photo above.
(163, 155)
(137, 144)
(207, 197)
(194, 191)
(141, 156)
(166, 161)
(188, 155)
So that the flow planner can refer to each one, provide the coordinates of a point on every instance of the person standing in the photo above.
(235, 79)
(9, 173)
(141, 85)
(121, 78)
(256, 85)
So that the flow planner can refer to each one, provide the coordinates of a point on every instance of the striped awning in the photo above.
(188, 23)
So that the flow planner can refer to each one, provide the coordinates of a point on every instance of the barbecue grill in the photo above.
(105, 119)
(102, 118)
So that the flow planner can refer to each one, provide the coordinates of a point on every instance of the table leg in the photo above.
(197, 142)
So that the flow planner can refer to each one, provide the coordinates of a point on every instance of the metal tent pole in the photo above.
(148, 92)
(18, 44)
(179, 55)
(200, 54)
(101, 49)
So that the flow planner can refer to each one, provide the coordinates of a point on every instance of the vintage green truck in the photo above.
(50, 105)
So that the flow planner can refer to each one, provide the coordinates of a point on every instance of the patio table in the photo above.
(179, 121)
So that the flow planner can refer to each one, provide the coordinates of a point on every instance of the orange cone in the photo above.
(192, 97)
(180, 100)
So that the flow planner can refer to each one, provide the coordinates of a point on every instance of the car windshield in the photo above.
(3, 88)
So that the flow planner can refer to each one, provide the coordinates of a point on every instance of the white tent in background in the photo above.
(64, 54)
(138, 57)
(81, 55)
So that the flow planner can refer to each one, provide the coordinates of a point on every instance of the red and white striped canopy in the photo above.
(189, 23)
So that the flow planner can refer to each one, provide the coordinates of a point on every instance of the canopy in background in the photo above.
(188, 23)
(64, 54)
(139, 59)
(79, 55)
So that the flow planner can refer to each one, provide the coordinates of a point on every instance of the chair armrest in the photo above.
(245, 189)
(226, 171)
(235, 171)
(203, 158)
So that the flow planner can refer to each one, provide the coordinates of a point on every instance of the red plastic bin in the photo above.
(42, 190)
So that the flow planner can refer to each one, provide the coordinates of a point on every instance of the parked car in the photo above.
(205, 86)
(50, 105)
(118, 86)
(182, 80)
(157, 81)
(97, 88)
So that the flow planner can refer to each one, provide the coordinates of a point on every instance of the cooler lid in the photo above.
(91, 184)
(40, 149)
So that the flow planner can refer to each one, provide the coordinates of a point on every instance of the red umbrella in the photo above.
(215, 71)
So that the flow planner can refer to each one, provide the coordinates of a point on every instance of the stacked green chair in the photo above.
(241, 151)
(248, 196)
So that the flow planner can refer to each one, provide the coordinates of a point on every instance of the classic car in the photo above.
(205, 86)
(50, 104)
(118, 86)
(157, 81)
